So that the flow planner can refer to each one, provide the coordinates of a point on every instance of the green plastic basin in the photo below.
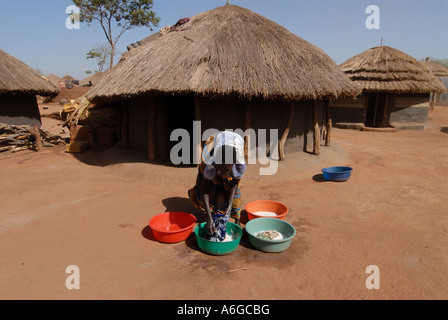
(263, 224)
(219, 248)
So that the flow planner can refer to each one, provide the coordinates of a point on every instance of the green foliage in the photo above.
(121, 14)
(126, 13)
(101, 53)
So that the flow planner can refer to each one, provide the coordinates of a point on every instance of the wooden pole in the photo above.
(316, 129)
(377, 102)
(247, 125)
(329, 124)
(151, 131)
(197, 134)
(431, 101)
(366, 107)
(282, 142)
(386, 110)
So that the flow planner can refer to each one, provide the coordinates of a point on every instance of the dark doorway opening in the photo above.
(376, 109)
(180, 114)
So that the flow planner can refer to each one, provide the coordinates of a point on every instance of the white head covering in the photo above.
(225, 138)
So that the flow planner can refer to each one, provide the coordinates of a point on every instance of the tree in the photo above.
(101, 53)
(121, 14)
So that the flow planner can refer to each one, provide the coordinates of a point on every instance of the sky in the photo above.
(36, 33)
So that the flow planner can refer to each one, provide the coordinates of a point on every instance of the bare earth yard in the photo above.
(92, 211)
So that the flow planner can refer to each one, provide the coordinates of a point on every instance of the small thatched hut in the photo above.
(19, 85)
(440, 72)
(396, 89)
(229, 68)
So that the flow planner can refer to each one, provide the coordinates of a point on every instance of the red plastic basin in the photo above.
(172, 227)
(266, 205)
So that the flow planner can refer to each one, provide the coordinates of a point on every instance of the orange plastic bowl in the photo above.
(172, 227)
(266, 205)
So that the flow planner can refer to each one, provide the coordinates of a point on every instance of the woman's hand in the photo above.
(228, 212)
(230, 197)
(210, 226)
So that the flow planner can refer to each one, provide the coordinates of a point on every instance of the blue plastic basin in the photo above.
(337, 173)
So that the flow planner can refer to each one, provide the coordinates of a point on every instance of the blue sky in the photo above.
(34, 31)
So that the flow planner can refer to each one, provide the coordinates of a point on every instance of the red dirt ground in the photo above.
(70, 94)
(92, 211)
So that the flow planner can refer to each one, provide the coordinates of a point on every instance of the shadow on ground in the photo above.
(119, 154)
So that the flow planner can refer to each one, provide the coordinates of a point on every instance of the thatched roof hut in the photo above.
(396, 89)
(19, 85)
(54, 79)
(390, 70)
(226, 51)
(226, 61)
(18, 78)
(436, 69)
(92, 79)
(440, 72)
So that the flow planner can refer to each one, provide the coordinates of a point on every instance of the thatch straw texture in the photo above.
(228, 51)
(385, 69)
(436, 69)
(18, 78)
(94, 78)
(54, 79)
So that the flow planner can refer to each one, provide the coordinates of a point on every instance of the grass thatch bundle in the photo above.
(390, 70)
(436, 69)
(228, 51)
(18, 78)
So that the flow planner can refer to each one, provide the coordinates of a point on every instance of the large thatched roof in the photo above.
(390, 70)
(17, 77)
(228, 51)
(436, 69)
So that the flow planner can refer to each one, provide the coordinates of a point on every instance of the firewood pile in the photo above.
(17, 138)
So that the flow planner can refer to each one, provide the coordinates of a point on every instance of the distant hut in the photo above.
(440, 72)
(54, 79)
(67, 81)
(229, 68)
(19, 85)
(396, 89)
(93, 79)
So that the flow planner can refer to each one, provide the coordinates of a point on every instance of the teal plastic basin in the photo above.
(219, 248)
(262, 224)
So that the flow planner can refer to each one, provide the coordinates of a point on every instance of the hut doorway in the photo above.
(180, 114)
(376, 110)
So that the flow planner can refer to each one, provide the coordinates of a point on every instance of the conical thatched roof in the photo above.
(94, 78)
(226, 51)
(436, 69)
(390, 70)
(17, 77)
(54, 79)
